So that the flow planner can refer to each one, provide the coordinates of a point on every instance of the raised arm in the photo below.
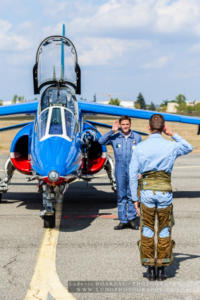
(182, 146)
(106, 138)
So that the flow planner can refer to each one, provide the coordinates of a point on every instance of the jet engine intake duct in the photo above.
(94, 154)
(19, 152)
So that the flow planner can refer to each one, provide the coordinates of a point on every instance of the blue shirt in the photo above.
(155, 154)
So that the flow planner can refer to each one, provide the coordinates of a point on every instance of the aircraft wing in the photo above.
(22, 108)
(14, 126)
(96, 108)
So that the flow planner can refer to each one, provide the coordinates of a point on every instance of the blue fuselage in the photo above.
(56, 153)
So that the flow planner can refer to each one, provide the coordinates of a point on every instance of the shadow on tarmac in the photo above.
(22, 183)
(82, 205)
(178, 258)
(186, 194)
(29, 200)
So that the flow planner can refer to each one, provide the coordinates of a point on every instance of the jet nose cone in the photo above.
(53, 176)
(52, 157)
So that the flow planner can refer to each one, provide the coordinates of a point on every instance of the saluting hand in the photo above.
(168, 131)
(115, 126)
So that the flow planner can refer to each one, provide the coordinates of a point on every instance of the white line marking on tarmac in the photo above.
(45, 280)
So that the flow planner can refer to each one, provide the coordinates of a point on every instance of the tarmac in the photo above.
(85, 258)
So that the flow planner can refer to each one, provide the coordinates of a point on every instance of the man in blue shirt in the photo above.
(154, 159)
(123, 141)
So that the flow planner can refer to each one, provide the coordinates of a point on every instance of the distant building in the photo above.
(171, 107)
(7, 102)
(127, 103)
(192, 103)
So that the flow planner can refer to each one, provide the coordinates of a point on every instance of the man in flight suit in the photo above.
(154, 159)
(123, 141)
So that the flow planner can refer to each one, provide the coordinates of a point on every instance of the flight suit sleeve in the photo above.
(133, 175)
(182, 146)
(106, 138)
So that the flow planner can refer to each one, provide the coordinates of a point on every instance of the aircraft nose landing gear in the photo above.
(49, 218)
(49, 213)
(51, 195)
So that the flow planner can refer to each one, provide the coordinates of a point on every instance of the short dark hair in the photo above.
(157, 122)
(125, 118)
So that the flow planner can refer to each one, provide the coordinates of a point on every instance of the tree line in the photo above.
(181, 106)
(139, 103)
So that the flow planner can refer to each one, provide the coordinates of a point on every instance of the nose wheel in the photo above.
(49, 220)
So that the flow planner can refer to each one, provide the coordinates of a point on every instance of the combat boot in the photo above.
(133, 224)
(161, 275)
(120, 226)
(151, 273)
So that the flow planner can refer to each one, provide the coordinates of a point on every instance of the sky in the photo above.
(124, 46)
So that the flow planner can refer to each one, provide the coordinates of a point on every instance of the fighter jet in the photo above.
(60, 146)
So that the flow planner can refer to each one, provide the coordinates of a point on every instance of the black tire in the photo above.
(0, 197)
(50, 221)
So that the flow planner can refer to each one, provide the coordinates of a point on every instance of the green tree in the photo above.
(21, 99)
(17, 98)
(1, 102)
(140, 103)
(180, 99)
(182, 106)
(152, 106)
(194, 110)
(114, 101)
(190, 109)
(95, 98)
(14, 99)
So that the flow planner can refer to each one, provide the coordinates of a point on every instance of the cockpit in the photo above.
(57, 114)
(56, 69)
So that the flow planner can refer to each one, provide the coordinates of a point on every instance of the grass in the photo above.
(187, 131)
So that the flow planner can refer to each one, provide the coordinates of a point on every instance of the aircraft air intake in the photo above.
(94, 154)
(20, 152)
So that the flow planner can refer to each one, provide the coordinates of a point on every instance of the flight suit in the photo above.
(123, 148)
(154, 159)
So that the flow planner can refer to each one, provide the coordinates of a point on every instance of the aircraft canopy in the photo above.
(57, 113)
(56, 62)
(57, 121)
(60, 97)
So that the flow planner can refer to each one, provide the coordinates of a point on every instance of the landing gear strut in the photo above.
(109, 168)
(9, 170)
(51, 195)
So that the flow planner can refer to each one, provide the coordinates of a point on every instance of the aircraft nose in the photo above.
(54, 156)
(53, 176)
